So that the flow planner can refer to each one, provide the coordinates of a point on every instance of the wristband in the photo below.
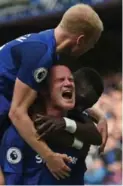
(77, 144)
(70, 125)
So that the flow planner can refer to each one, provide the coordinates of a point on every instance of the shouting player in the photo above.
(22, 165)
(24, 63)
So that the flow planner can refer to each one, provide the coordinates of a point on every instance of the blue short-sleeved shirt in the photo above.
(19, 159)
(27, 58)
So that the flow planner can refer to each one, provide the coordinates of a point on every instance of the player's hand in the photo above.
(103, 129)
(46, 125)
(56, 165)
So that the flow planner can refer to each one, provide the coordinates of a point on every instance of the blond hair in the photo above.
(81, 18)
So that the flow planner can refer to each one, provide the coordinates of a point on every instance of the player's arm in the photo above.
(101, 122)
(87, 132)
(47, 126)
(96, 114)
(59, 137)
(23, 97)
(27, 85)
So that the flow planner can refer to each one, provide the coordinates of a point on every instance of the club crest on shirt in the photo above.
(14, 155)
(40, 74)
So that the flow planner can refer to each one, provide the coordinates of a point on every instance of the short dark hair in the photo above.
(89, 87)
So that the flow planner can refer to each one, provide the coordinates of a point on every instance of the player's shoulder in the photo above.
(28, 38)
(46, 37)
(42, 40)
(35, 41)
(28, 45)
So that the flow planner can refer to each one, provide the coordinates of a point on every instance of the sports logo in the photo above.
(38, 159)
(40, 74)
(14, 155)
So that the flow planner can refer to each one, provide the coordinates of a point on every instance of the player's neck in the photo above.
(50, 111)
(63, 39)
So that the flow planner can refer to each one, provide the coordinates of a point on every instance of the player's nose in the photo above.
(68, 83)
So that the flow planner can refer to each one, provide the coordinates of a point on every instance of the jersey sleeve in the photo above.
(33, 68)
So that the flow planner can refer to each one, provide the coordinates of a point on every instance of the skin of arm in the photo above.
(101, 122)
(23, 97)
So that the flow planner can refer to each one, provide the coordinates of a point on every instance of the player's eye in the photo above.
(71, 79)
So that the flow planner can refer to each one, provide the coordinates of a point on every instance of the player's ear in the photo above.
(80, 40)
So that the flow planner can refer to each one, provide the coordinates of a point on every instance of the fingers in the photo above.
(66, 158)
(44, 126)
(66, 168)
(45, 130)
(65, 174)
(40, 118)
(55, 175)
(103, 129)
(48, 131)
(101, 149)
(45, 134)
(104, 140)
(62, 171)
(62, 174)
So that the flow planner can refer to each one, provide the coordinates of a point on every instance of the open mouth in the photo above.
(67, 94)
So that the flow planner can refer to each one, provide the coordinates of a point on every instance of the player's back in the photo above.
(26, 49)
(24, 58)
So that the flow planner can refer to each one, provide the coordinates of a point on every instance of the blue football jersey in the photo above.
(18, 158)
(28, 58)
(25, 58)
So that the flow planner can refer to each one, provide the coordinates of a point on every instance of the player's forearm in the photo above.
(64, 139)
(87, 133)
(57, 139)
(26, 129)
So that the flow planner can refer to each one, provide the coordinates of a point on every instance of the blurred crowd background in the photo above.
(18, 17)
(106, 169)
(19, 9)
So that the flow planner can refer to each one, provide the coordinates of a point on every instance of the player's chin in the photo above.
(68, 104)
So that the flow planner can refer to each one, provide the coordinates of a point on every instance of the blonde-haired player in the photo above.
(80, 27)
(78, 31)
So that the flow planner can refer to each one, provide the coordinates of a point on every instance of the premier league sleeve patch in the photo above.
(40, 74)
(14, 155)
